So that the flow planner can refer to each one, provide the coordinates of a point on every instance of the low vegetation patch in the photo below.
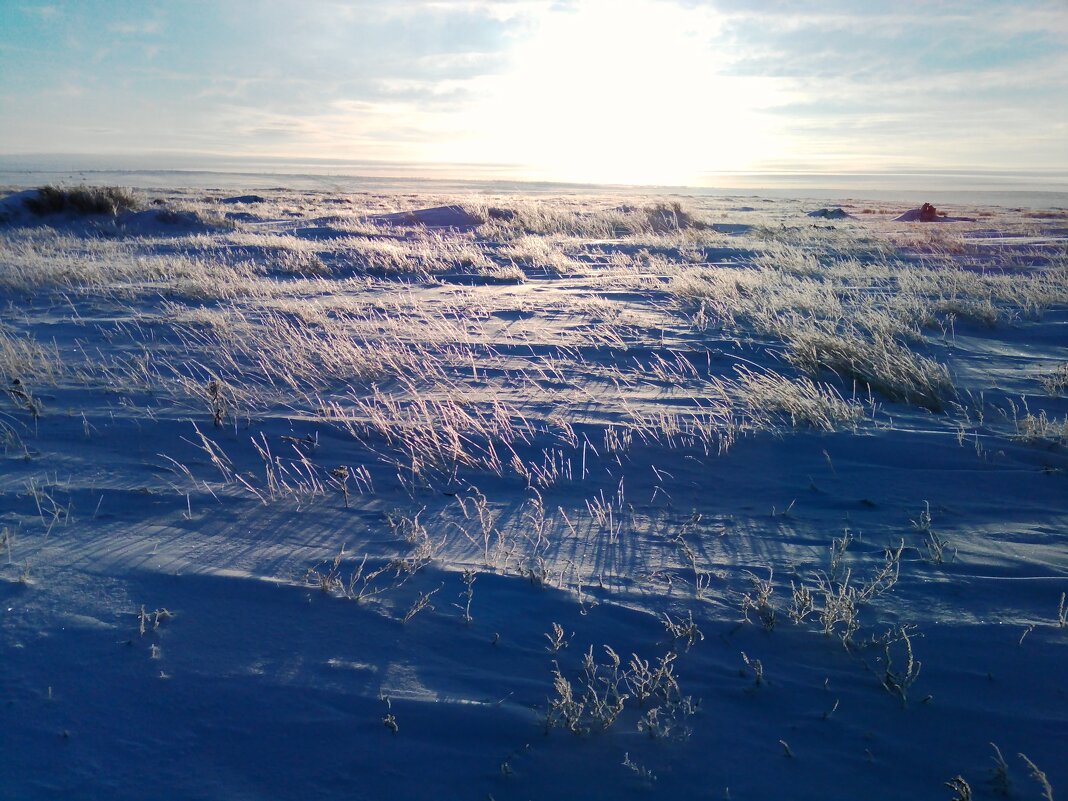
(82, 200)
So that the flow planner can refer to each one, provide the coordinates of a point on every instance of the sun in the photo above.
(626, 93)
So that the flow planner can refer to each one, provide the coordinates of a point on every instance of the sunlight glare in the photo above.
(628, 93)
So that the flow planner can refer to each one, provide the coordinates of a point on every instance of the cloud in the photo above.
(767, 82)
(145, 27)
(43, 12)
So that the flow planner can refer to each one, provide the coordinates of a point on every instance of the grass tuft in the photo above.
(82, 200)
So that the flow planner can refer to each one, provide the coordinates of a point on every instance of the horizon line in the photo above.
(1014, 180)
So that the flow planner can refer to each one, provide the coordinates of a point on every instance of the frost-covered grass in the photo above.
(602, 496)
(82, 200)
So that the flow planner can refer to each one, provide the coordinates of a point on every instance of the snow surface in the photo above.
(213, 437)
(13, 205)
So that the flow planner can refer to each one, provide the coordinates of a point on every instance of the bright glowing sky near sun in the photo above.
(623, 91)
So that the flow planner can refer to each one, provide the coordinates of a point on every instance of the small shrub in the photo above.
(82, 200)
(667, 218)
(897, 682)
(1055, 381)
(1042, 430)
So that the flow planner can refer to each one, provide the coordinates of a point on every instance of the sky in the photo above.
(607, 91)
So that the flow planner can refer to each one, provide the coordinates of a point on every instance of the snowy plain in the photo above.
(419, 495)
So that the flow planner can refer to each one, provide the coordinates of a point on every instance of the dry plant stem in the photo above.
(961, 790)
(898, 682)
(1000, 780)
(759, 601)
(1039, 777)
(469, 577)
(421, 602)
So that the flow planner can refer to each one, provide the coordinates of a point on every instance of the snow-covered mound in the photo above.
(321, 232)
(241, 216)
(731, 228)
(244, 199)
(89, 212)
(831, 214)
(13, 207)
(162, 220)
(437, 217)
(69, 203)
(505, 215)
(928, 213)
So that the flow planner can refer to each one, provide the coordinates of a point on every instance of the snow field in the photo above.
(599, 497)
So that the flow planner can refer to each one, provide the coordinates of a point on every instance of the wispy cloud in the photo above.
(145, 27)
(44, 12)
